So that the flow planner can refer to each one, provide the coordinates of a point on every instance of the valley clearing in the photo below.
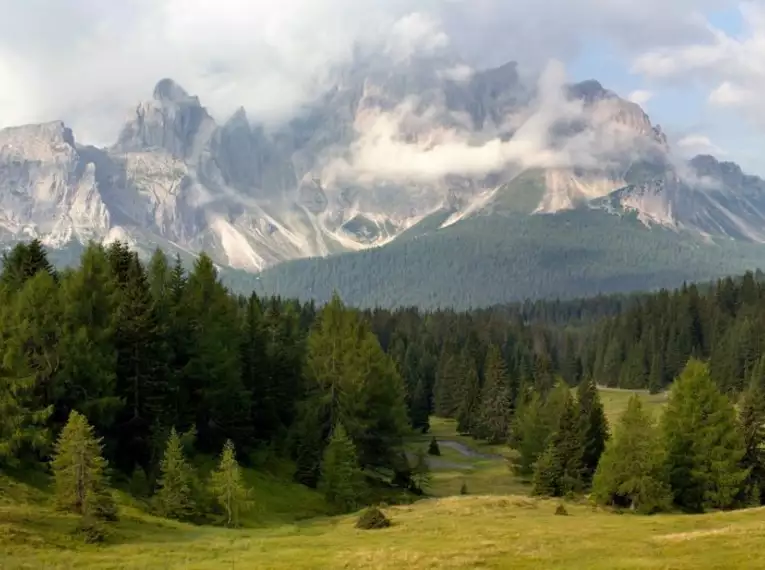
(496, 526)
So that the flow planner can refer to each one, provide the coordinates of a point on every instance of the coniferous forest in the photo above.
(125, 370)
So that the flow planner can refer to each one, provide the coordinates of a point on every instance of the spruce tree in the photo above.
(341, 477)
(79, 470)
(213, 373)
(529, 435)
(703, 442)
(87, 368)
(228, 486)
(752, 420)
(593, 427)
(495, 407)
(631, 471)
(29, 353)
(468, 412)
(174, 496)
(447, 390)
(559, 470)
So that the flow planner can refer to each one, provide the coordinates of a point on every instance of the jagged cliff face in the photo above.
(252, 198)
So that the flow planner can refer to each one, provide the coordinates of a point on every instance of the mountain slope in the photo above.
(499, 258)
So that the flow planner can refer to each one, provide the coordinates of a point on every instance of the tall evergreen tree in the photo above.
(29, 323)
(752, 419)
(86, 373)
(449, 380)
(593, 427)
(559, 470)
(703, 442)
(631, 471)
(352, 382)
(529, 435)
(228, 486)
(468, 412)
(341, 477)
(141, 368)
(495, 407)
(213, 372)
(79, 469)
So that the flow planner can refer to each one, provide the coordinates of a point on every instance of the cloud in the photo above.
(695, 144)
(732, 67)
(89, 61)
(640, 97)
(404, 146)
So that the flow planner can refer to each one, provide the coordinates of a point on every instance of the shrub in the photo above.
(372, 518)
(561, 511)
(90, 530)
(433, 448)
(464, 489)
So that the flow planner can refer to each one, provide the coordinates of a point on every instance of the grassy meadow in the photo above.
(496, 526)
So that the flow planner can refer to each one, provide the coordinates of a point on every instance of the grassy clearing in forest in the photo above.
(456, 532)
(615, 402)
(496, 526)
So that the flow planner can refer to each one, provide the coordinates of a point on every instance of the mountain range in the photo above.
(422, 183)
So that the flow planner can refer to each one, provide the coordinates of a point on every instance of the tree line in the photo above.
(155, 359)
(165, 365)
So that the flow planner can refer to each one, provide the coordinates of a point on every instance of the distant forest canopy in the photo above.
(142, 348)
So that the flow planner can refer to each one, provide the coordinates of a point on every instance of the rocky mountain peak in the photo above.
(173, 121)
(169, 91)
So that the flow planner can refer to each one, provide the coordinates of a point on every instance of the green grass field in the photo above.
(496, 526)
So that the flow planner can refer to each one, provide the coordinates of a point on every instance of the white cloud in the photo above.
(640, 96)
(731, 67)
(415, 33)
(695, 144)
(402, 146)
(89, 61)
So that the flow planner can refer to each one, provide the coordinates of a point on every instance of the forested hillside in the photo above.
(489, 260)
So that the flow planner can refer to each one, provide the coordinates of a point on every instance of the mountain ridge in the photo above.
(384, 153)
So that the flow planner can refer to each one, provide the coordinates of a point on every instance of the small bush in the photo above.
(372, 518)
(433, 448)
(90, 530)
(561, 510)
(464, 489)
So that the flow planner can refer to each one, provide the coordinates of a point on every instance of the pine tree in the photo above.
(559, 470)
(752, 420)
(631, 471)
(593, 427)
(141, 367)
(447, 389)
(529, 435)
(174, 496)
(79, 470)
(341, 476)
(28, 364)
(495, 407)
(87, 369)
(468, 413)
(228, 487)
(213, 373)
(351, 381)
(703, 442)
